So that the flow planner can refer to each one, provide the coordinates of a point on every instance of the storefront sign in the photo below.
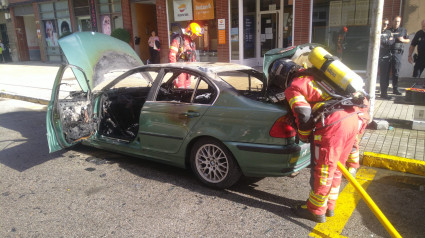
(221, 24)
(93, 15)
(221, 37)
(203, 9)
(249, 32)
(182, 10)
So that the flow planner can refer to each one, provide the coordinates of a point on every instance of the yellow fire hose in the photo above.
(370, 203)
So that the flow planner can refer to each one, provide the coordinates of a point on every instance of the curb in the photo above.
(24, 98)
(394, 163)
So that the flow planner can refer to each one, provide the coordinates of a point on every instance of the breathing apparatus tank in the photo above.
(340, 75)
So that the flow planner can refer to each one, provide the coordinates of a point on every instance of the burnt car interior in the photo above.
(204, 92)
(121, 106)
(76, 116)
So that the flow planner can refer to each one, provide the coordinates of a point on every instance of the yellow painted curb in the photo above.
(394, 163)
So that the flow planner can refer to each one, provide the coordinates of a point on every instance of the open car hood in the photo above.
(98, 55)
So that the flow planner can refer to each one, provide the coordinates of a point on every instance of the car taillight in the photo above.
(282, 128)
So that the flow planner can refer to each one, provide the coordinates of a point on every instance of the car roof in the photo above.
(205, 66)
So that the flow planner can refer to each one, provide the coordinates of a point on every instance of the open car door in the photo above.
(70, 118)
(93, 58)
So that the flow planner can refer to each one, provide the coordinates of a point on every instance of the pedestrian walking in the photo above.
(397, 48)
(153, 43)
(419, 60)
(385, 58)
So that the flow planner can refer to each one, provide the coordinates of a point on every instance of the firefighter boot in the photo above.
(303, 212)
(352, 171)
(330, 213)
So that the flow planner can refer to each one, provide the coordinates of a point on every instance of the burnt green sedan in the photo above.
(222, 125)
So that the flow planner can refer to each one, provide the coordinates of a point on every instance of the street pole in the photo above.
(373, 56)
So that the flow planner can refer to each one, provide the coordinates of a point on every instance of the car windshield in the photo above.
(138, 79)
(243, 80)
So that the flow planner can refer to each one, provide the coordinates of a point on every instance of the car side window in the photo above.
(242, 81)
(193, 89)
(137, 80)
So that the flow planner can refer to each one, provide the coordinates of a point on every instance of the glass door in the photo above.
(269, 23)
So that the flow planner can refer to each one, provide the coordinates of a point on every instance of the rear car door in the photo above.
(70, 113)
(168, 118)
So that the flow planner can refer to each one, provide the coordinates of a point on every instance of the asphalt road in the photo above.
(85, 192)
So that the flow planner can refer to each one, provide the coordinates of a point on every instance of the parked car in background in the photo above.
(221, 126)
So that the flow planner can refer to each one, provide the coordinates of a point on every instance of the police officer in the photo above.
(400, 37)
(418, 40)
(385, 58)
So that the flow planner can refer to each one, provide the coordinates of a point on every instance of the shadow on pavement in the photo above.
(31, 149)
(243, 193)
(399, 197)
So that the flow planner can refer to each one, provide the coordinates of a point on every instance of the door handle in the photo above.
(191, 114)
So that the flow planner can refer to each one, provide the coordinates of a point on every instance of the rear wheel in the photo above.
(213, 164)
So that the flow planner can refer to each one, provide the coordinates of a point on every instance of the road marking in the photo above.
(345, 205)
(395, 163)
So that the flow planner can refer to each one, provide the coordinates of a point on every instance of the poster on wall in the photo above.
(203, 9)
(335, 8)
(50, 33)
(106, 24)
(182, 10)
(64, 26)
(362, 12)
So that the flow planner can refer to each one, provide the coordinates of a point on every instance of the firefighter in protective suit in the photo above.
(330, 127)
(183, 49)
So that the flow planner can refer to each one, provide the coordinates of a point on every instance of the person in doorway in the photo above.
(385, 58)
(400, 38)
(340, 46)
(1, 51)
(333, 137)
(418, 40)
(183, 49)
(153, 48)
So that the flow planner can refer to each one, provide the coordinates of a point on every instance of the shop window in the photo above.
(207, 44)
(81, 8)
(110, 17)
(55, 22)
(269, 5)
(234, 29)
(329, 20)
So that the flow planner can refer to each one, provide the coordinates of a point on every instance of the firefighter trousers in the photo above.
(334, 142)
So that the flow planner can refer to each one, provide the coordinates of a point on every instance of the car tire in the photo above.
(213, 164)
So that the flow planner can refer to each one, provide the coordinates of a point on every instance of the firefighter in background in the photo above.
(183, 49)
(333, 136)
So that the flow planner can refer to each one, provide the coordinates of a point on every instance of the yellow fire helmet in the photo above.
(194, 29)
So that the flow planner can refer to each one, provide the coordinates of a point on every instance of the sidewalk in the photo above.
(399, 148)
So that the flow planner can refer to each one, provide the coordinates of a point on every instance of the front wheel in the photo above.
(213, 164)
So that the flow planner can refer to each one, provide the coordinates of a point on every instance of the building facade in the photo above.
(239, 31)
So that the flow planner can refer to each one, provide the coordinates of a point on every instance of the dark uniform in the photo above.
(384, 61)
(397, 53)
(419, 40)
